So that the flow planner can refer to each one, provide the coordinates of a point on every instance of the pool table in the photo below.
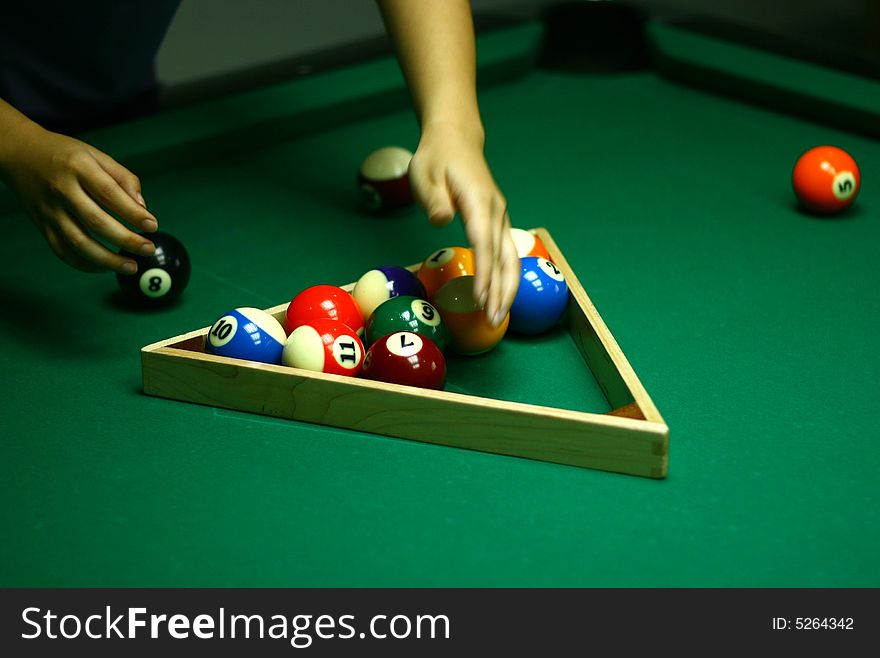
(750, 323)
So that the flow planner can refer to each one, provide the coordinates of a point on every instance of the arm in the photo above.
(435, 45)
(69, 190)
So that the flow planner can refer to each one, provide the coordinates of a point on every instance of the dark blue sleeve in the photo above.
(72, 65)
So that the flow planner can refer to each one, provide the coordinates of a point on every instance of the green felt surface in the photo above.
(787, 84)
(752, 326)
(761, 67)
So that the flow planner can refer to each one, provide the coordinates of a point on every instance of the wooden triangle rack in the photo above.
(632, 438)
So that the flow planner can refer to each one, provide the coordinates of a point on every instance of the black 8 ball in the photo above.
(160, 278)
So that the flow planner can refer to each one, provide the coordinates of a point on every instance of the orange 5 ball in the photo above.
(467, 324)
(826, 179)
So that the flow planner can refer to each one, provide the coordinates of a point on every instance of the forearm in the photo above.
(13, 124)
(449, 173)
(435, 45)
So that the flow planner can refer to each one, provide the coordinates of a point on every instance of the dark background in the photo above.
(213, 41)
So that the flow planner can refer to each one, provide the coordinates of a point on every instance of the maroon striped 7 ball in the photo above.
(407, 358)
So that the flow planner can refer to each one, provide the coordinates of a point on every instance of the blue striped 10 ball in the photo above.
(247, 333)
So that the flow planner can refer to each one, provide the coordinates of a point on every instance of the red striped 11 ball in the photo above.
(160, 278)
(324, 345)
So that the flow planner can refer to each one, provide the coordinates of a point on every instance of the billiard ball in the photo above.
(406, 358)
(541, 298)
(383, 180)
(443, 266)
(247, 333)
(826, 179)
(528, 244)
(383, 283)
(468, 326)
(323, 301)
(406, 313)
(160, 278)
(324, 345)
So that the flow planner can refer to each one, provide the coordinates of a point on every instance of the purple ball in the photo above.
(382, 283)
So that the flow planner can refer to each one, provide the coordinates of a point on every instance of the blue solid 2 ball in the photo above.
(247, 333)
(541, 299)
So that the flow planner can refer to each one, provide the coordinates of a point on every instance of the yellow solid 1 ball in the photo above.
(444, 265)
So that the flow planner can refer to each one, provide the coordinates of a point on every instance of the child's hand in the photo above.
(449, 174)
(70, 189)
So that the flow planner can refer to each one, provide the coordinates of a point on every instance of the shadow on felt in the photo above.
(52, 326)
